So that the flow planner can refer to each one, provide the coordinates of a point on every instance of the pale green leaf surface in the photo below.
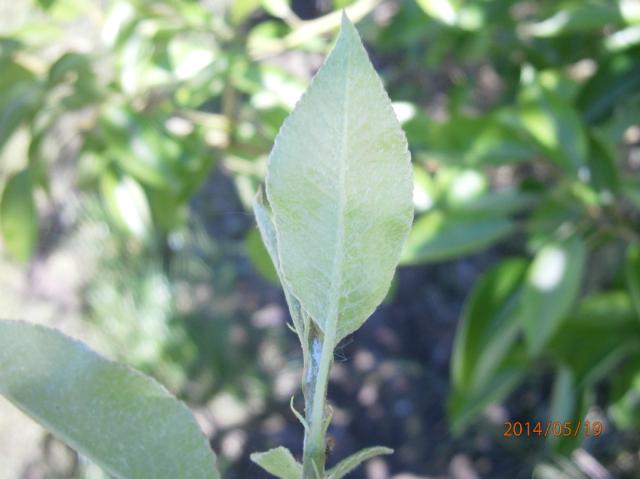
(125, 422)
(553, 283)
(268, 232)
(339, 184)
(347, 465)
(19, 217)
(278, 462)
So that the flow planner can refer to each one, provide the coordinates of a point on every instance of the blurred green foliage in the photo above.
(522, 118)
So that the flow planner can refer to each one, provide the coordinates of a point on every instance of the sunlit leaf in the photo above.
(340, 188)
(18, 216)
(125, 422)
(347, 465)
(438, 236)
(578, 18)
(127, 204)
(555, 125)
(552, 285)
(278, 462)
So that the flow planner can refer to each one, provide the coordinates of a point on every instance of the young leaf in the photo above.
(347, 465)
(339, 183)
(267, 230)
(278, 462)
(18, 216)
(552, 286)
(125, 422)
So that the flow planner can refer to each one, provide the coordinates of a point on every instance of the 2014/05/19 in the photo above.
(554, 428)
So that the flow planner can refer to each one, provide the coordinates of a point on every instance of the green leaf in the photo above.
(553, 283)
(491, 139)
(445, 11)
(439, 236)
(339, 184)
(260, 258)
(604, 171)
(487, 361)
(488, 326)
(125, 422)
(19, 217)
(555, 125)
(347, 465)
(465, 405)
(616, 80)
(18, 104)
(127, 204)
(606, 327)
(575, 19)
(279, 462)
(267, 230)
(632, 272)
(568, 406)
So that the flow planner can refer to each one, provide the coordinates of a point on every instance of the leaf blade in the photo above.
(19, 217)
(126, 422)
(552, 286)
(319, 185)
(279, 462)
(348, 464)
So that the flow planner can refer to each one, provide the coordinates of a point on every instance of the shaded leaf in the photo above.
(615, 81)
(19, 217)
(278, 462)
(632, 272)
(465, 405)
(568, 406)
(125, 422)
(488, 326)
(347, 465)
(606, 328)
(340, 188)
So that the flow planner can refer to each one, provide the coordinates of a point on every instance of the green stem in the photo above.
(314, 386)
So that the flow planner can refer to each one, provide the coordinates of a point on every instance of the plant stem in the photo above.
(314, 386)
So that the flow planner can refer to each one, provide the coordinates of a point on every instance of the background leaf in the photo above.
(125, 422)
(551, 288)
(19, 217)
(438, 236)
